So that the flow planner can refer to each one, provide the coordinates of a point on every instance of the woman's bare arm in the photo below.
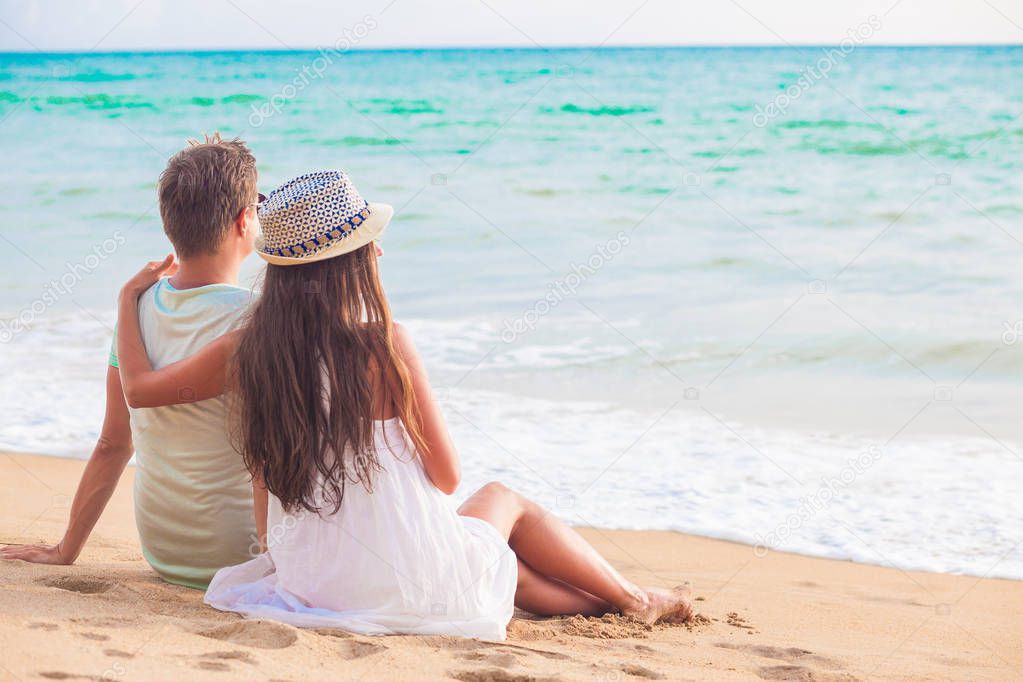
(195, 378)
(260, 504)
(440, 459)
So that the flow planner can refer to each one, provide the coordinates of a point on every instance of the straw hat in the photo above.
(317, 216)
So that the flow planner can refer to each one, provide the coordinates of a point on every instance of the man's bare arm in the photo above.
(107, 462)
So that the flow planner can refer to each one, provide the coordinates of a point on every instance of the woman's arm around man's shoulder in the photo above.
(195, 378)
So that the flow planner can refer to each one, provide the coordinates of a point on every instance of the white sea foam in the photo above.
(932, 504)
(928, 505)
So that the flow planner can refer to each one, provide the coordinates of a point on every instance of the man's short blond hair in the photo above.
(202, 190)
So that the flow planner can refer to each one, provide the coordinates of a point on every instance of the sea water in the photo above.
(712, 290)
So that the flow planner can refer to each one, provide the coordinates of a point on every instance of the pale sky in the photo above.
(27, 25)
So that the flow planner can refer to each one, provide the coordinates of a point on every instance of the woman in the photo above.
(336, 421)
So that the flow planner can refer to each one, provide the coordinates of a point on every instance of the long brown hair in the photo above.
(318, 347)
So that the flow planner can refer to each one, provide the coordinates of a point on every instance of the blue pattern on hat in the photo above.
(310, 213)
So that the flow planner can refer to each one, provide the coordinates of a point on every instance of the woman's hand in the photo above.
(148, 276)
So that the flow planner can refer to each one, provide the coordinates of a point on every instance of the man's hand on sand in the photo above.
(36, 554)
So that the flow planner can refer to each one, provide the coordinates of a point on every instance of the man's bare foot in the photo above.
(664, 606)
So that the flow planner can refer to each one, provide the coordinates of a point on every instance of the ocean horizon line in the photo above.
(501, 48)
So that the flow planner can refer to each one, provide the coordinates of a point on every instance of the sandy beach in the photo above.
(776, 617)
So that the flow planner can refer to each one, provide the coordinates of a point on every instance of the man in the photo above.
(193, 496)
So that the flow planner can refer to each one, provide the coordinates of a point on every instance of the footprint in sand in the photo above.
(351, 647)
(552, 655)
(477, 650)
(104, 621)
(798, 663)
(450, 643)
(94, 636)
(242, 656)
(43, 626)
(499, 660)
(83, 584)
(498, 675)
(217, 661)
(641, 671)
(333, 632)
(500, 655)
(117, 653)
(787, 654)
(798, 673)
(261, 634)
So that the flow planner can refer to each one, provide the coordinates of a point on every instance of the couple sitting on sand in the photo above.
(320, 497)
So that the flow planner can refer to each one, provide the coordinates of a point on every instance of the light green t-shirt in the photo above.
(193, 495)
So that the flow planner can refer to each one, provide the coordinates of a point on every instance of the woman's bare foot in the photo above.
(667, 606)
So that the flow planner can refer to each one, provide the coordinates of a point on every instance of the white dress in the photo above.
(398, 560)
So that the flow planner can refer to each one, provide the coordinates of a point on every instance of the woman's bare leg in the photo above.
(555, 551)
(545, 596)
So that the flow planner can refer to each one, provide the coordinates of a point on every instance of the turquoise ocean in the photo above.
(715, 290)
